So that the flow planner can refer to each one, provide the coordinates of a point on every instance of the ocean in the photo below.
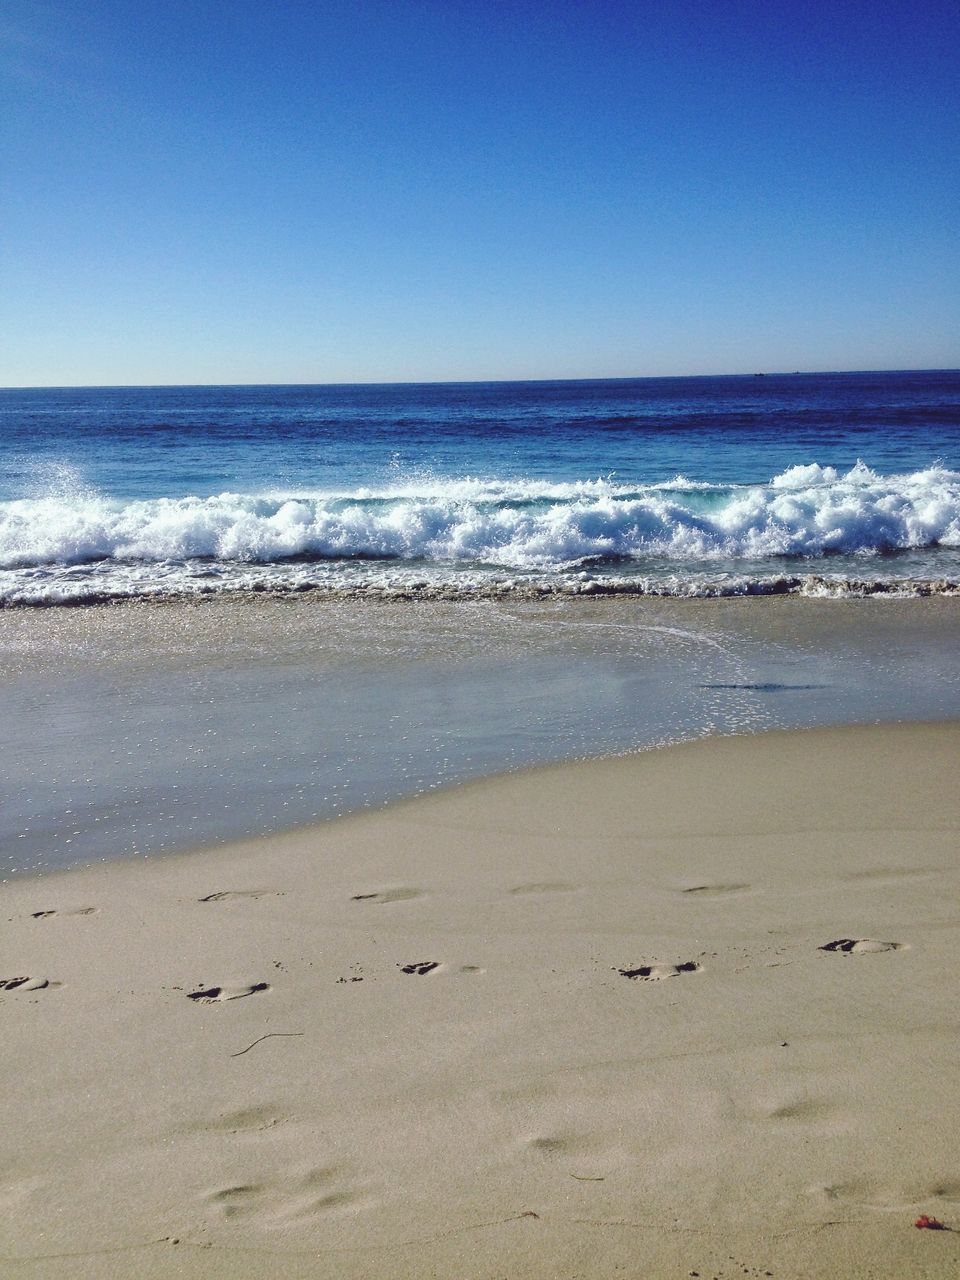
(805, 483)
(293, 603)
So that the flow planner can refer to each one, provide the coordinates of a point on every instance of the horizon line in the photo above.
(460, 382)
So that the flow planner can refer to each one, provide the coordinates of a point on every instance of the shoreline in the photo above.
(230, 847)
(137, 728)
(633, 1050)
(412, 587)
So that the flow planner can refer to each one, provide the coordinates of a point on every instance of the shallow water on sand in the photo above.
(140, 729)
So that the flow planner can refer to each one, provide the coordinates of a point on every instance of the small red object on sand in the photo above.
(931, 1224)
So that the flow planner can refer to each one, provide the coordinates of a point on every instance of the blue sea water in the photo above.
(815, 483)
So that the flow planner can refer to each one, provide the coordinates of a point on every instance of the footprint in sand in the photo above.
(902, 1197)
(797, 1108)
(224, 894)
(216, 995)
(77, 911)
(862, 946)
(656, 972)
(421, 967)
(544, 886)
(709, 889)
(246, 1121)
(890, 873)
(276, 1204)
(26, 984)
(380, 896)
(564, 1143)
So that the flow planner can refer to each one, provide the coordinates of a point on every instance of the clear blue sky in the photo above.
(243, 191)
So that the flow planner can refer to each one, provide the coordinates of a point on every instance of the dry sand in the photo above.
(582, 1021)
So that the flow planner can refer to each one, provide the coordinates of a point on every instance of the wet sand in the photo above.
(146, 728)
(687, 1011)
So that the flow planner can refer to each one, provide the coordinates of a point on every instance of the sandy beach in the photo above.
(687, 1012)
(479, 665)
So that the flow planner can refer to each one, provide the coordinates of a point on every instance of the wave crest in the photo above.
(808, 510)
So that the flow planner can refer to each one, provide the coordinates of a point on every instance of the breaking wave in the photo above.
(806, 511)
(674, 538)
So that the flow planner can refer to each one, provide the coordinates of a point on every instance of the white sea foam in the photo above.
(513, 525)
